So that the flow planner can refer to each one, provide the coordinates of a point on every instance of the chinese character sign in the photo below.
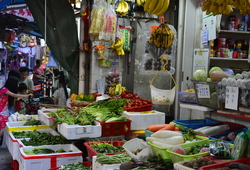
(232, 94)
(203, 90)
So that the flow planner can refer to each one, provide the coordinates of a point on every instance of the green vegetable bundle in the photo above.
(112, 159)
(106, 148)
(32, 123)
(39, 151)
(74, 166)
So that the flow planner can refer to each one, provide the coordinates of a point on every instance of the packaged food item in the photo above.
(240, 145)
(219, 149)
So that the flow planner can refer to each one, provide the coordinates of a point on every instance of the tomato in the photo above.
(126, 96)
(144, 102)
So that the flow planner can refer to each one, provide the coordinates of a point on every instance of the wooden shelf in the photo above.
(228, 59)
(234, 32)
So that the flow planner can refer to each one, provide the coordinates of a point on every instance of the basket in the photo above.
(178, 157)
(232, 126)
(216, 137)
(92, 152)
(225, 164)
(148, 133)
(162, 152)
(142, 108)
(115, 128)
(187, 97)
(213, 100)
(159, 96)
(195, 123)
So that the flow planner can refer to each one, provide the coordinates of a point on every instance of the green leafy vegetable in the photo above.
(39, 151)
(106, 148)
(112, 159)
(32, 123)
(74, 166)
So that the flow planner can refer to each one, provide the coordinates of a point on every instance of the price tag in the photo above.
(203, 90)
(100, 86)
(84, 130)
(232, 94)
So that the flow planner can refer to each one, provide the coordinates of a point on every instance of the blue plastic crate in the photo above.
(187, 97)
(217, 136)
(195, 123)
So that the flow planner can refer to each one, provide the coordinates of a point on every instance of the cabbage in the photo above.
(200, 75)
(214, 69)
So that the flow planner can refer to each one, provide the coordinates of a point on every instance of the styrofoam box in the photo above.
(13, 144)
(19, 125)
(134, 144)
(47, 161)
(15, 117)
(141, 120)
(98, 166)
(77, 132)
(180, 166)
(42, 115)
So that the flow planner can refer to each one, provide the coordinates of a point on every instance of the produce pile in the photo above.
(197, 163)
(39, 151)
(32, 123)
(75, 166)
(103, 111)
(37, 138)
(106, 147)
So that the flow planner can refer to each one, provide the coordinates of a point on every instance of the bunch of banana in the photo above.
(243, 6)
(122, 8)
(118, 89)
(218, 7)
(117, 47)
(156, 7)
(111, 91)
(140, 2)
(162, 36)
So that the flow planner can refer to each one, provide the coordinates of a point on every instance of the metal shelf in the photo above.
(234, 32)
(196, 107)
(228, 59)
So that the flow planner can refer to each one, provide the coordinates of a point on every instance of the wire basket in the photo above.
(160, 96)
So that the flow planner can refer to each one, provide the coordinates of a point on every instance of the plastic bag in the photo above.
(219, 149)
(108, 28)
(125, 34)
(112, 78)
(240, 145)
(248, 144)
(97, 19)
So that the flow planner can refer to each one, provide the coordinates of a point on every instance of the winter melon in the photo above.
(219, 75)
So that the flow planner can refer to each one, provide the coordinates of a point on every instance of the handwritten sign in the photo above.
(232, 94)
(203, 90)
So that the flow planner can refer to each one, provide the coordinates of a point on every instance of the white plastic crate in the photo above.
(43, 116)
(141, 120)
(19, 125)
(48, 161)
(71, 132)
(13, 143)
(98, 166)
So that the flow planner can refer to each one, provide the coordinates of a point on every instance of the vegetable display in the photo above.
(112, 159)
(32, 123)
(75, 166)
(154, 163)
(106, 148)
(39, 151)
(37, 138)
(209, 130)
(197, 163)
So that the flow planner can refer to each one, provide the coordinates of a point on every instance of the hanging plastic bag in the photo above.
(125, 34)
(97, 19)
(240, 145)
(108, 29)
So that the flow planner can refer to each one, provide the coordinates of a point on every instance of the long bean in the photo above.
(112, 159)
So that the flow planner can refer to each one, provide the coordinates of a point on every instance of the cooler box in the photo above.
(98, 166)
(43, 116)
(13, 143)
(141, 120)
(48, 161)
(19, 125)
(72, 132)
